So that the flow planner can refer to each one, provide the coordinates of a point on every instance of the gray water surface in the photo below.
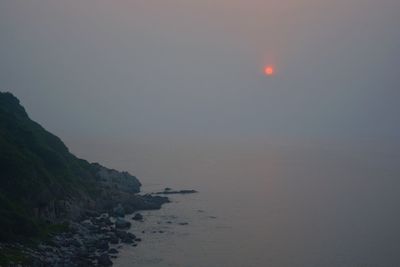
(268, 205)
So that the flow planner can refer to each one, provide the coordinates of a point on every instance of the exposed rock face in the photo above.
(41, 181)
(115, 180)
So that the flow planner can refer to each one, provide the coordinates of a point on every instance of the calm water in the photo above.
(266, 205)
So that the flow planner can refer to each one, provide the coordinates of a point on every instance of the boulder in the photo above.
(127, 237)
(113, 251)
(102, 245)
(104, 260)
(148, 202)
(138, 217)
(127, 240)
(122, 224)
(113, 238)
(123, 234)
(119, 211)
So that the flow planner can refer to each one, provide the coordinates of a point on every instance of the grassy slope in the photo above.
(35, 168)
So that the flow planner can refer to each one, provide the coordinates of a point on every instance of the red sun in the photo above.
(269, 70)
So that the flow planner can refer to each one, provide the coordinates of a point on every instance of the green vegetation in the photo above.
(36, 173)
(12, 255)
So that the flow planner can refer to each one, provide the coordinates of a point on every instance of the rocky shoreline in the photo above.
(92, 241)
(55, 208)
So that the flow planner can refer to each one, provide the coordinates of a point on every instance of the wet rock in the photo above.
(123, 234)
(82, 253)
(113, 238)
(127, 240)
(122, 224)
(126, 237)
(103, 221)
(120, 234)
(131, 235)
(104, 260)
(87, 243)
(75, 243)
(149, 202)
(92, 213)
(119, 211)
(138, 217)
(171, 192)
(113, 251)
(102, 245)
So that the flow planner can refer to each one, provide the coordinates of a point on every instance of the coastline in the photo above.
(93, 240)
(55, 208)
(96, 237)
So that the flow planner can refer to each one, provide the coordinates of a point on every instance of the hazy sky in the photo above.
(139, 68)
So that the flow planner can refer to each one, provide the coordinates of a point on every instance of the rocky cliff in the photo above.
(42, 182)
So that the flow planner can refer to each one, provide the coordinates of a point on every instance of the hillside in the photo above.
(42, 182)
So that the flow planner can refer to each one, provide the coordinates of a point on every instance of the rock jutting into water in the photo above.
(169, 191)
(137, 217)
(65, 210)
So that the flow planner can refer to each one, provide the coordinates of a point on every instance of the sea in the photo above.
(278, 204)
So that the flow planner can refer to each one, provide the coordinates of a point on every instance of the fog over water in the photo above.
(299, 169)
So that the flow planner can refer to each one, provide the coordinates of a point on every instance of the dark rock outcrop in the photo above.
(169, 191)
(122, 224)
(104, 260)
(43, 186)
(42, 181)
(119, 211)
(137, 217)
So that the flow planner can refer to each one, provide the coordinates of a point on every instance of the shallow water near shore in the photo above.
(267, 205)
